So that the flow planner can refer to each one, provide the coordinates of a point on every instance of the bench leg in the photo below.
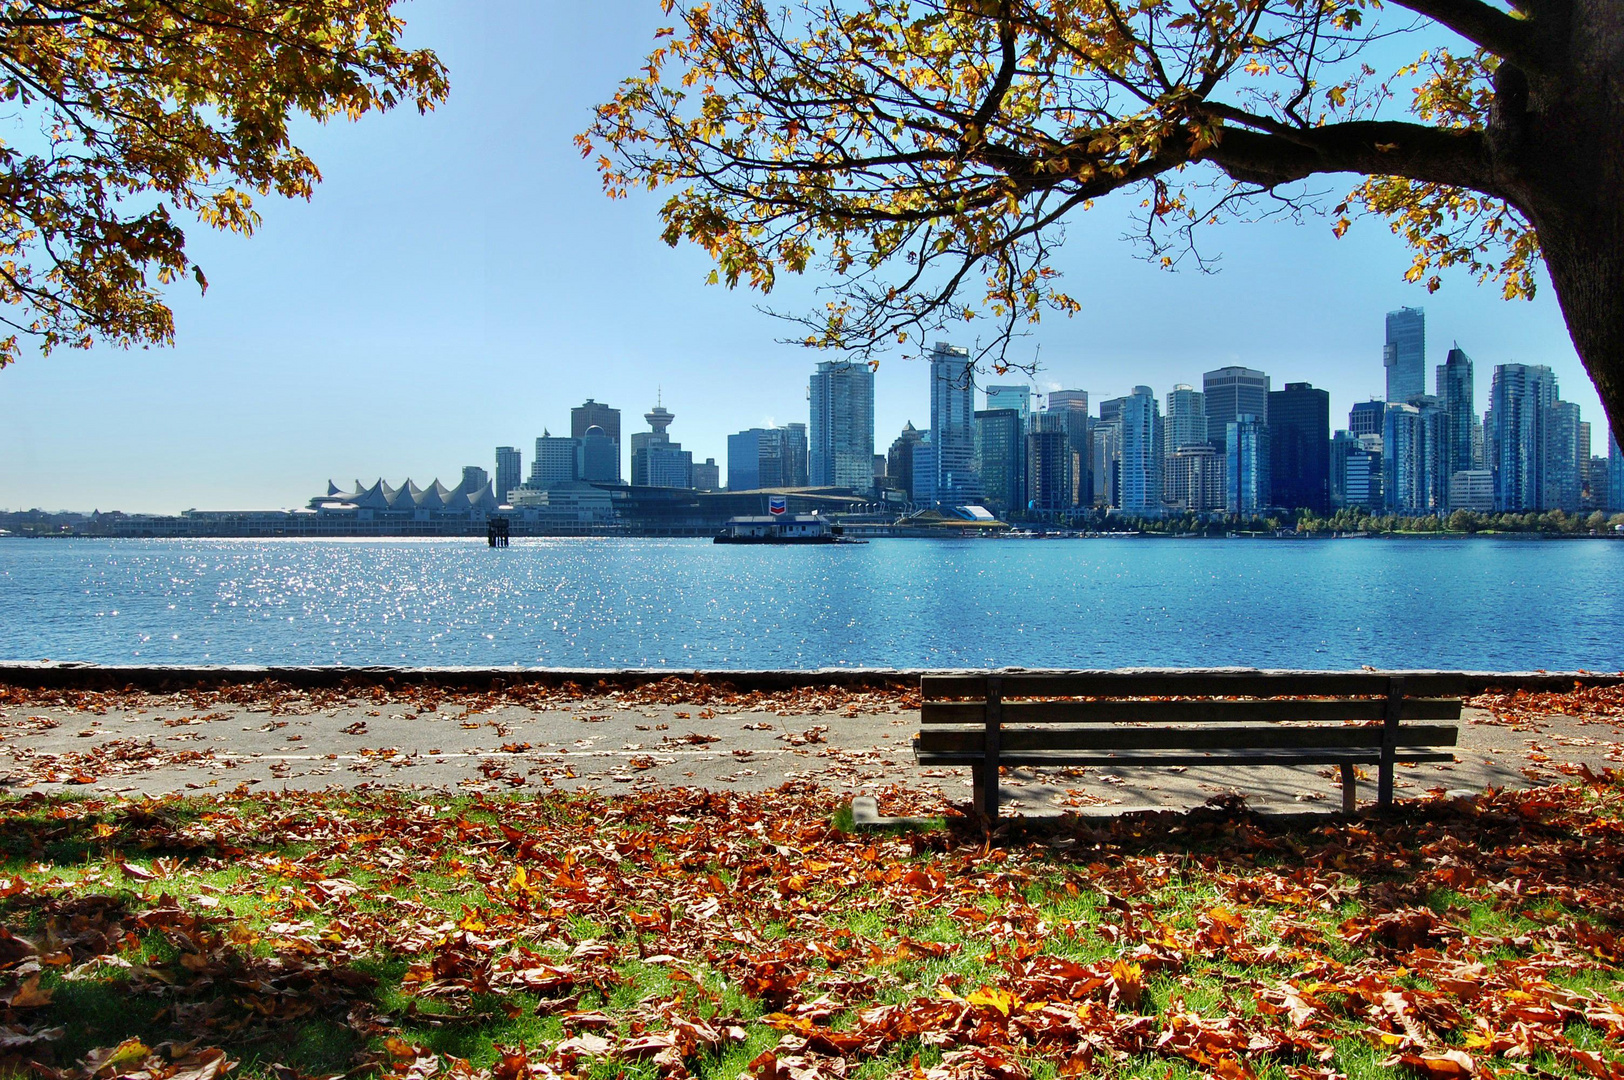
(1349, 779)
(978, 784)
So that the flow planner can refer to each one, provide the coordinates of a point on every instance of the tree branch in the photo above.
(1506, 36)
(1454, 156)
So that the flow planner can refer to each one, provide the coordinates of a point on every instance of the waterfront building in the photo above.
(1472, 489)
(707, 476)
(1598, 483)
(1367, 417)
(1194, 479)
(1230, 393)
(1072, 406)
(1405, 354)
(1246, 465)
(1562, 480)
(1356, 471)
(557, 461)
(1300, 448)
(1413, 481)
(1520, 400)
(599, 457)
(1001, 458)
(435, 505)
(592, 414)
(1051, 469)
(1106, 451)
(1455, 394)
(1141, 468)
(509, 471)
(1018, 398)
(842, 429)
(953, 425)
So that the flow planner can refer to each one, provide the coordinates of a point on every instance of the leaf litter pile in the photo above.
(694, 934)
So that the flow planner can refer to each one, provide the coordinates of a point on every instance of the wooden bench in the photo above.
(1131, 719)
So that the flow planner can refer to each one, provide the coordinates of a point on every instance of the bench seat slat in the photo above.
(1015, 739)
(1151, 684)
(1199, 711)
(1330, 756)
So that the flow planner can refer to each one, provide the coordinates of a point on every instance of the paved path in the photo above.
(156, 744)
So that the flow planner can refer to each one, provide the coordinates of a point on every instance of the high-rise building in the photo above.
(1615, 475)
(1186, 420)
(656, 460)
(1230, 393)
(1106, 451)
(1246, 468)
(1562, 481)
(1300, 448)
(599, 457)
(1194, 479)
(1001, 458)
(797, 454)
(509, 471)
(707, 476)
(1520, 400)
(953, 425)
(474, 478)
(1072, 406)
(1051, 469)
(1405, 354)
(924, 472)
(1472, 489)
(1018, 398)
(592, 414)
(1111, 409)
(842, 429)
(1455, 397)
(1584, 459)
(1356, 471)
(1141, 491)
(755, 459)
(557, 461)
(1413, 480)
(1367, 417)
(899, 461)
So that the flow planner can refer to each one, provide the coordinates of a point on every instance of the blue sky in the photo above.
(459, 282)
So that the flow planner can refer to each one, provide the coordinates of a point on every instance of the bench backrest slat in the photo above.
(1018, 740)
(1197, 683)
(1198, 711)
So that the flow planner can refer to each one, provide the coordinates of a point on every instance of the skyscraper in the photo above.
(1405, 354)
(1018, 398)
(1246, 470)
(1413, 481)
(1230, 393)
(953, 425)
(1072, 407)
(1141, 492)
(1186, 421)
(1615, 475)
(707, 476)
(1300, 448)
(599, 457)
(797, 456)
(509, 471)
(1051, 466)
(1106, 451)
(592, 414)
(1356, 471)
(1562, 481)
(1520, 399)
(656, 460)
(1001, 458)
(1193, 479)
(1455, 397)
(1367, 417)
(474, 478)
(557, 461)
(841, 439)
(899, 460)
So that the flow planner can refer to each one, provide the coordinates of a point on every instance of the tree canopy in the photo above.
(923, 156)
(126, 115)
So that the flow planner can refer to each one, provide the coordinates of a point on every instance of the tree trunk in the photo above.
(1557, 138)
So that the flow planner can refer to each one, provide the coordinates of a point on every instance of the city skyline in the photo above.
(449, 268)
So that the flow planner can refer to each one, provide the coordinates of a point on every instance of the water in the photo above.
(1480, 604)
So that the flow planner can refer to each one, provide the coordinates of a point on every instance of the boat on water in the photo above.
(782, 529)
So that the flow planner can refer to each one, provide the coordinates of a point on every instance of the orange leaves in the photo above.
(1445, 1065)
